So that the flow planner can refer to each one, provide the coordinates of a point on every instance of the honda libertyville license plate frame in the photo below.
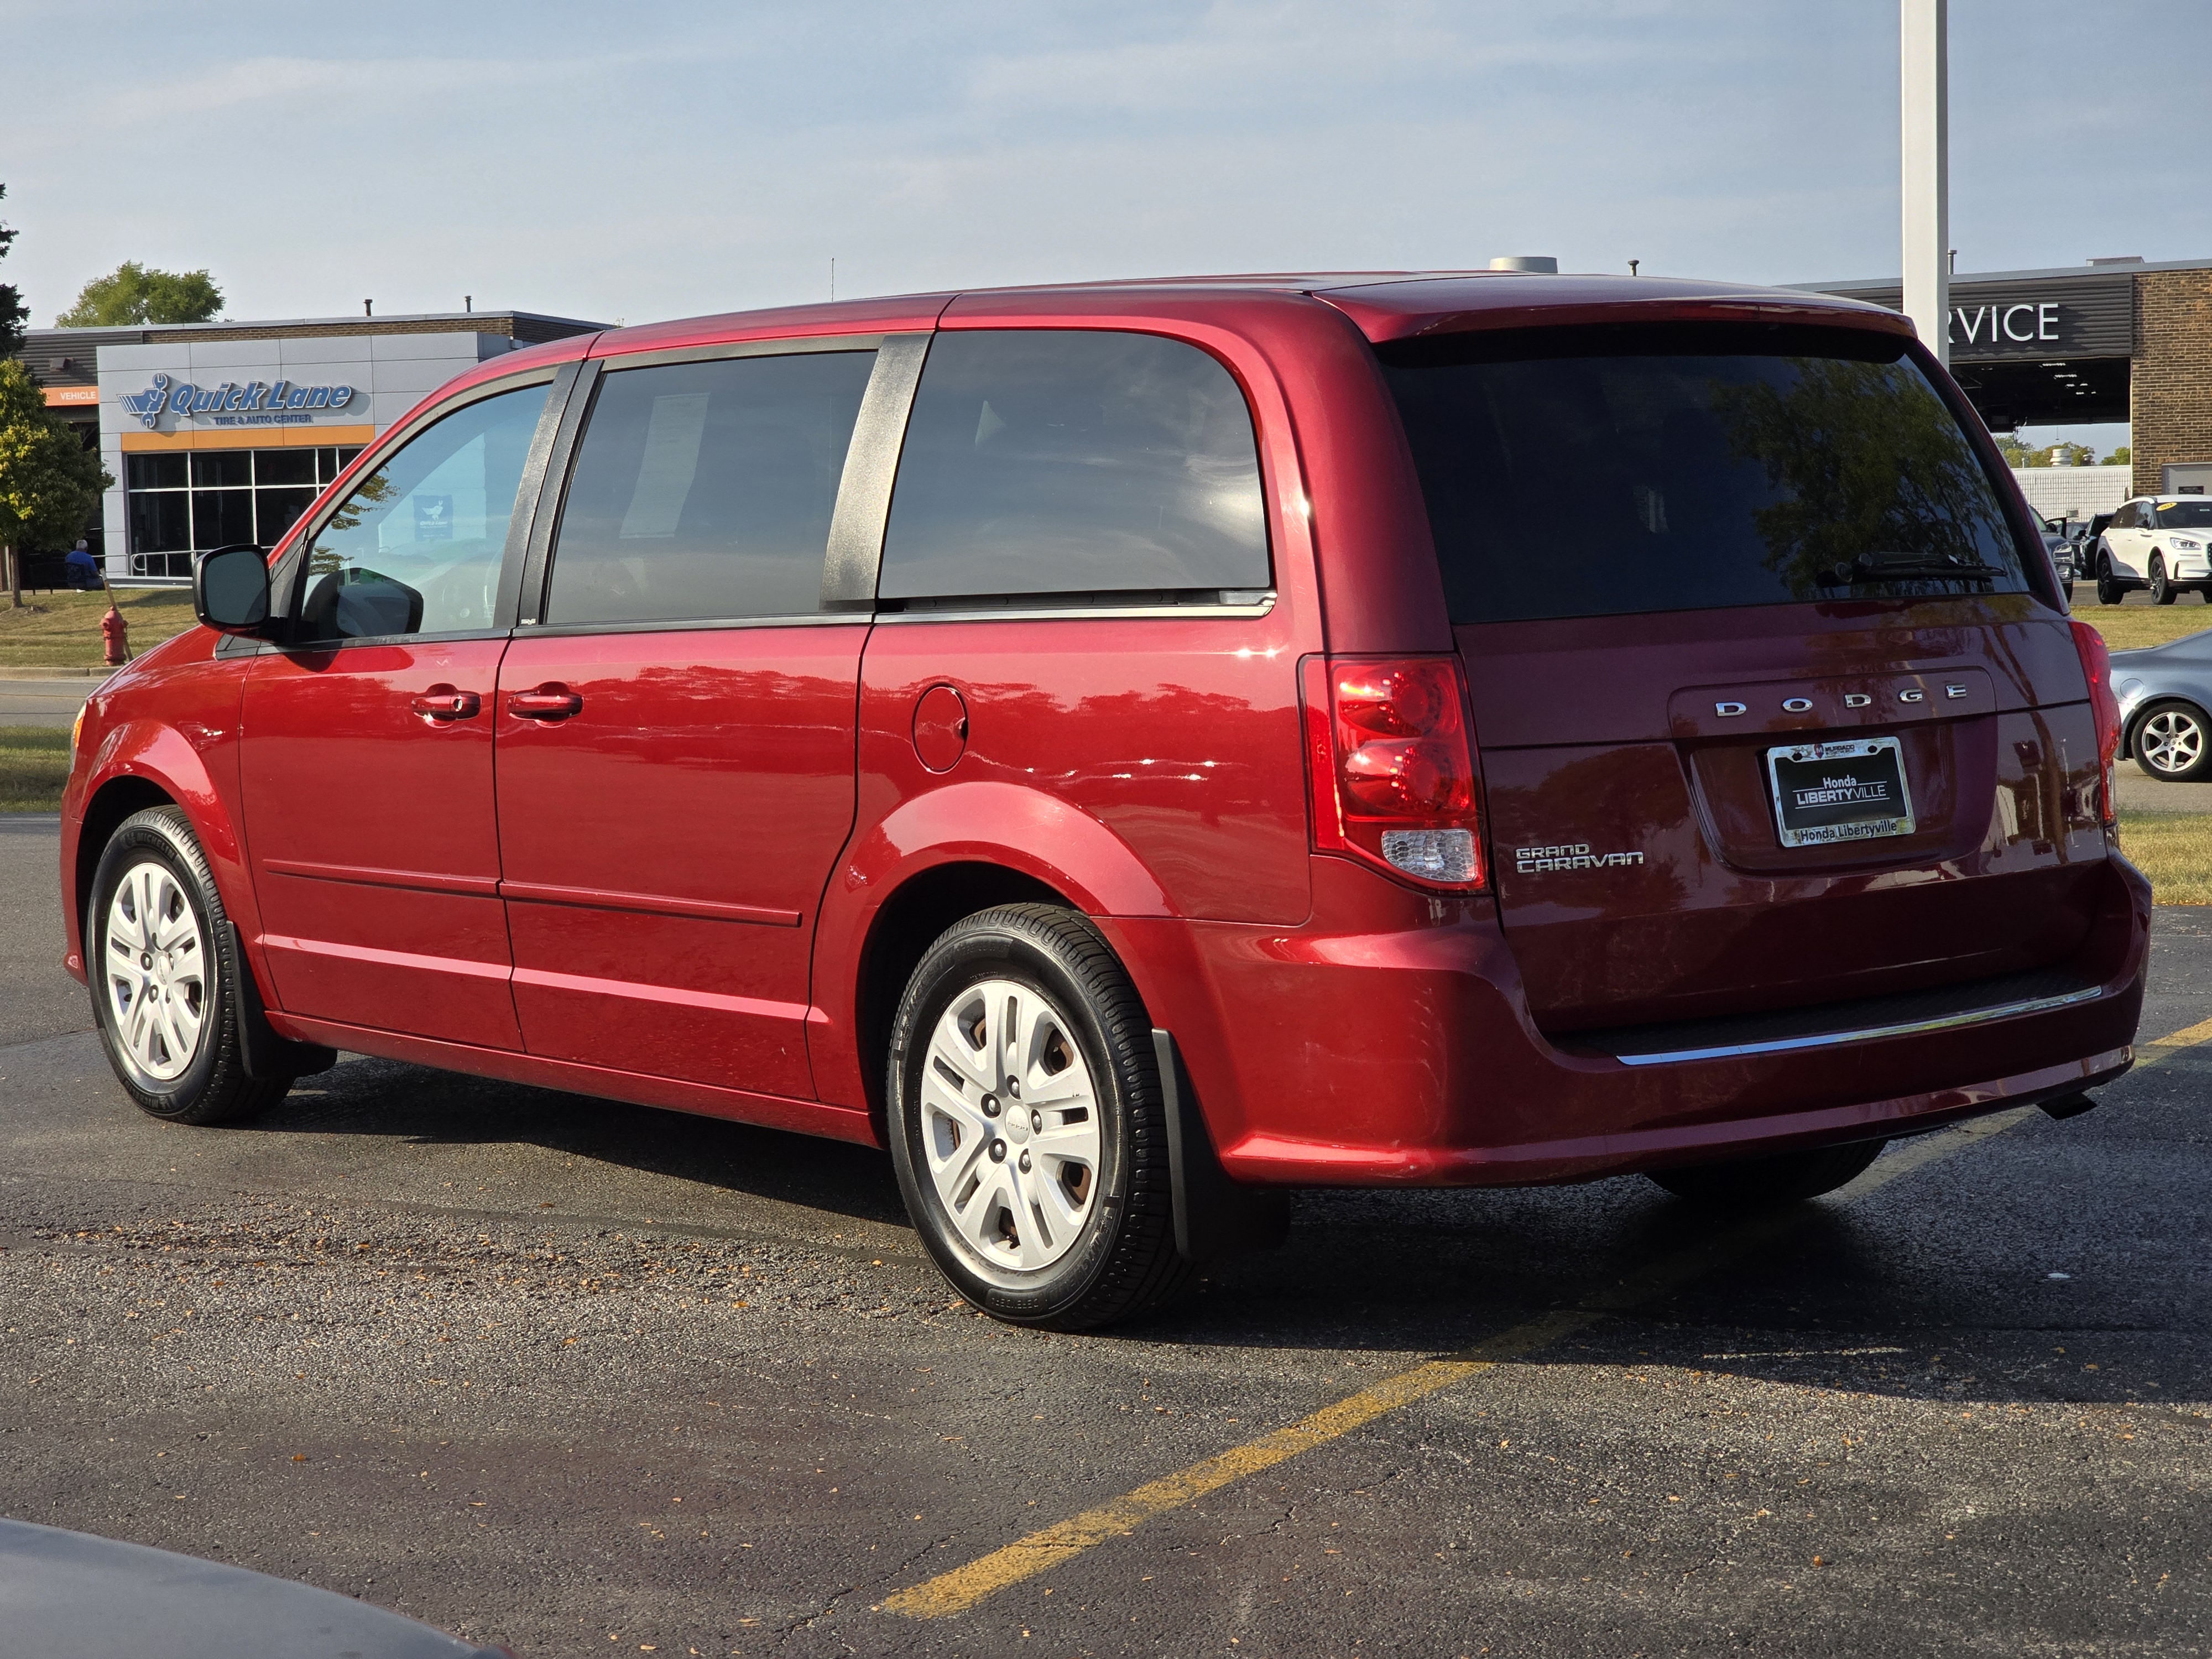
(1826, 792)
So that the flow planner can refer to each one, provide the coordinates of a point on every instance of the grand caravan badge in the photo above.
(1568, 855)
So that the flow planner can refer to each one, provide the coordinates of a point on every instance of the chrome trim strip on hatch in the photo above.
(1867, 1034)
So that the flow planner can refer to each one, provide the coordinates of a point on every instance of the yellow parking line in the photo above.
(964, 1587)
(2165, 1047)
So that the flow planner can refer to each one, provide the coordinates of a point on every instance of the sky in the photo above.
(658, 158)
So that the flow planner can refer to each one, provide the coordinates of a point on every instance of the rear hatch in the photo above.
(1772, 712)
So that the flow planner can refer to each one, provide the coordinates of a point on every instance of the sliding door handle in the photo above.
(544, 703)
(439, 703)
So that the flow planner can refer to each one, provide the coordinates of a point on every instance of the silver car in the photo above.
(2165, 692)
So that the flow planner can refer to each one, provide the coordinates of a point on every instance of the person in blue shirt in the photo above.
(83, 570)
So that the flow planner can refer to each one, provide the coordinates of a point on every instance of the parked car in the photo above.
(1090, 742)
(2060, 550)
(71, 1596)
(2158, 542)
(2165, 692)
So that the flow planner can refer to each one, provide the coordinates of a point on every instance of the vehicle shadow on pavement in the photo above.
(1982, 1279)
(391, 1100)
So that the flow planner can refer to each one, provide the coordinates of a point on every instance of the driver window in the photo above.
(416, 548)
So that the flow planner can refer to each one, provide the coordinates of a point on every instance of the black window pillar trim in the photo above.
(863, 493)
(546, 507)
(514, 559)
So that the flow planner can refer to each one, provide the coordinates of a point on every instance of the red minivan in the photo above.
(1131, 750)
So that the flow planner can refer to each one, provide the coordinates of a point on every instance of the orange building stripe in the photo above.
(59, 397)
(262, 437)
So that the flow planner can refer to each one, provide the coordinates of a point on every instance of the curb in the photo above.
(56, 672)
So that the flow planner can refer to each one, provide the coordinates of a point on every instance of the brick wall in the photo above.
(2171, 394)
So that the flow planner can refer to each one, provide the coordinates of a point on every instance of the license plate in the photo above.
(1832, 792)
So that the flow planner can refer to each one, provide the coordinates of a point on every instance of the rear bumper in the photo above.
(1403, 1054)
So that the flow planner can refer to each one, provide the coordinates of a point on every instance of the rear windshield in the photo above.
(1607, 471)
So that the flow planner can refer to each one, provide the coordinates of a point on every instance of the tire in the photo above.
(168, 1017)
(2109, 591)
(2162, 591)
(1765, 1183)
(1093, 1239)
(2172, 742)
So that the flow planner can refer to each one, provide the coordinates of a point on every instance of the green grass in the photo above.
(34, 764)
(62, 631)
(2131, 627)
(2174, 849)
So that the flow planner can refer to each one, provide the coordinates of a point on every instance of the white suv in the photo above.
(2163, 542)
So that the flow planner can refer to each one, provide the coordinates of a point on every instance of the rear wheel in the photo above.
(164, 977)
(2109, 591)
(2173, 743)
(1026, 1124)
(2162, 591)
(1758, 1182)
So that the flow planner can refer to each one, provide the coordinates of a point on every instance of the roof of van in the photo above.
(1385, 305)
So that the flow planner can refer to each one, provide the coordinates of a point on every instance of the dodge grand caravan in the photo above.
(1132, 750)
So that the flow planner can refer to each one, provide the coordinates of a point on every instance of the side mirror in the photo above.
(230, 589)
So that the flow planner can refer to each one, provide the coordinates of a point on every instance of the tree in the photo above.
(2124, 456)
(131, 293)
(2016, 452)
(50, 483)
(13, 312)
(1863, 459)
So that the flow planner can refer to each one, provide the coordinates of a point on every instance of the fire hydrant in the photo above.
(115, 637)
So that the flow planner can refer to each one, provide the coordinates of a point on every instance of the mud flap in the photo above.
(1214, 1216)
(264, 1054)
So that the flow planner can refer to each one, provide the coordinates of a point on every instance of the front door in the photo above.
(366, 757)
(675, 740)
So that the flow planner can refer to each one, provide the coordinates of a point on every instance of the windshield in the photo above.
(1610, 471)
(2185, 515)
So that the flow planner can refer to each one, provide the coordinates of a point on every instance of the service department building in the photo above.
(2110, 340)
(218, 432)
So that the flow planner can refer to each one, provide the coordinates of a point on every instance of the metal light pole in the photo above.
(1927, 133)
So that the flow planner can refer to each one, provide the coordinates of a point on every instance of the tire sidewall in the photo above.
(162, 836)
(965, 958)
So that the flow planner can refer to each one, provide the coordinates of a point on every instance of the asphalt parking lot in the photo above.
(586, 1378)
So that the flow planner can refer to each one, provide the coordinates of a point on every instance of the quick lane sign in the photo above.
(256, 403)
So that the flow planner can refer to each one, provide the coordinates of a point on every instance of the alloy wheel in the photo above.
(2171, 741)
(1009, 1130)
(156, 971)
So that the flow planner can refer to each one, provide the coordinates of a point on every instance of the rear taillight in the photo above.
(1392, 761)
(2097, 664)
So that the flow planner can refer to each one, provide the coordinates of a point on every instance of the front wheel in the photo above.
(2162, 591)
(1026, 1126)
(1761, 1182)
(2173, 743)
(164, 976)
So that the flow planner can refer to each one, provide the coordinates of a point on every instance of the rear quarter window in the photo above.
(1061, 464)
(1603, 471)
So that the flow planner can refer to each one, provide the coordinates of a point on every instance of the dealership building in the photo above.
(223, 432)
(2112, 340)
(217, 433)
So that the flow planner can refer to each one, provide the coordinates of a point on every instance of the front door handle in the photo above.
(544, 703)
(442, 702)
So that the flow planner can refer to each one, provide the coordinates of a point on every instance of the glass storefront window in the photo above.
(182, 504)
